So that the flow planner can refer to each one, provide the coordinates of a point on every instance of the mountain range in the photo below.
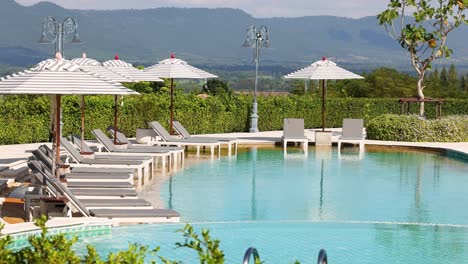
(203, 36)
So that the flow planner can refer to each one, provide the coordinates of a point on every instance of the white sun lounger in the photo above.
(168, 140)
(293, 131)
(110, 147)
(180, 129)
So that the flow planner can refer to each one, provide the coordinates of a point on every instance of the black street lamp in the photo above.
(256, 39)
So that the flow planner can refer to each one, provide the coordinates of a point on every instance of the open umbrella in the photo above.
(323, 70)
(94, 66)
(176, 69)
(59, 77)
(126, 69)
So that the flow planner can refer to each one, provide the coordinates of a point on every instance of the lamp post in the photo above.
(54, 32)
(256, 38)
(58, 32)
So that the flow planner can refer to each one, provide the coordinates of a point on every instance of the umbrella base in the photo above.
(323, 138)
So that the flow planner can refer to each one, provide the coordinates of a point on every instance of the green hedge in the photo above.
(25, 119)
(414, 129)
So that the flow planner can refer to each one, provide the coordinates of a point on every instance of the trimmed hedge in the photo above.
(414, 129)
(25, 119)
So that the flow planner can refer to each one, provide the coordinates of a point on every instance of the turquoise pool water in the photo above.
(290, 207)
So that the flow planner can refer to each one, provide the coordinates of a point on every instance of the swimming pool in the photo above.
(389, 207)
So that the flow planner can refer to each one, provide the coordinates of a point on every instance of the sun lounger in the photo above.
(167, 139)
(110, 203)
(180, 129)
(47, 159)
(293, 131)
(140, 212)
(352, 133)
(43, 155)
(176, 152)
(43, 177)
(129, 212)
(110, 147)
(141, 163)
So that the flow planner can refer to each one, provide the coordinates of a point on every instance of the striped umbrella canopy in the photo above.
(94, 66)
(59, 77)
(176, 69)
(323, 70)
(126, 69)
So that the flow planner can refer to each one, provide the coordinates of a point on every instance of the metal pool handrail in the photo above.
(322, 257)
(248, 254)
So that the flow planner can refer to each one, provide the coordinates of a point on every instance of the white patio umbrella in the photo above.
(176, 69)
(94, 66)
(323, 70)
(126, 69)
(59, 77)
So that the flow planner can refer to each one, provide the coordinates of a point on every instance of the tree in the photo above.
(424, 34)
(443, 77)
(433, 82)
(216, 86)
(464, 83)
(453, 87)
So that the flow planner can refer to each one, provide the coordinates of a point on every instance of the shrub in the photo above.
(414, 129)
(25, 119)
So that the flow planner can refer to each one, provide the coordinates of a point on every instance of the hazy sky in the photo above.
(257, 8)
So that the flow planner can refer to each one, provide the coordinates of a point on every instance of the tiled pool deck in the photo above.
(16, 155)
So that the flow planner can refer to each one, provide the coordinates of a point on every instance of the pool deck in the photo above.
(15, 156)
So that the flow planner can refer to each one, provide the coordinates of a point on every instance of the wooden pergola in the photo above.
(405, 104)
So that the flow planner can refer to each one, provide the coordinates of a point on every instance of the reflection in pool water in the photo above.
(291, 207)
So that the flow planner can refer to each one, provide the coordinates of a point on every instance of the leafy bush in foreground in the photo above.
(414, 129)
(57, 248)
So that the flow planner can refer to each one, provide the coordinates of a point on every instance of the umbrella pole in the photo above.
(171, 130)
(57, 135)
(115, 119)
(82, 121)
(323, 105)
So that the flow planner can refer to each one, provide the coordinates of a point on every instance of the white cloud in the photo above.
(257, 8)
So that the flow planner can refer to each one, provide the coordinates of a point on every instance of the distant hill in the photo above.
(203, 36)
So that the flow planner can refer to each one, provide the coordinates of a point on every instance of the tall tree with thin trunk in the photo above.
(424, 33)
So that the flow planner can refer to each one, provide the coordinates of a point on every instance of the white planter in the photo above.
(145, 135)
(323, 138)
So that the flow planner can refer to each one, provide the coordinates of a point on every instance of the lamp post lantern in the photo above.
(256, 38)
(54, 32)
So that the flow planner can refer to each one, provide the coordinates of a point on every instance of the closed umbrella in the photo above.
(176, 69)
(323, 70)
(59, 77)
(94, 66)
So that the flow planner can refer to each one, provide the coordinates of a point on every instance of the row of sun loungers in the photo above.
(98, 184)
(95, 191)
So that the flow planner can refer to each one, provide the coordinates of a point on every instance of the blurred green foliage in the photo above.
(26, 119)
